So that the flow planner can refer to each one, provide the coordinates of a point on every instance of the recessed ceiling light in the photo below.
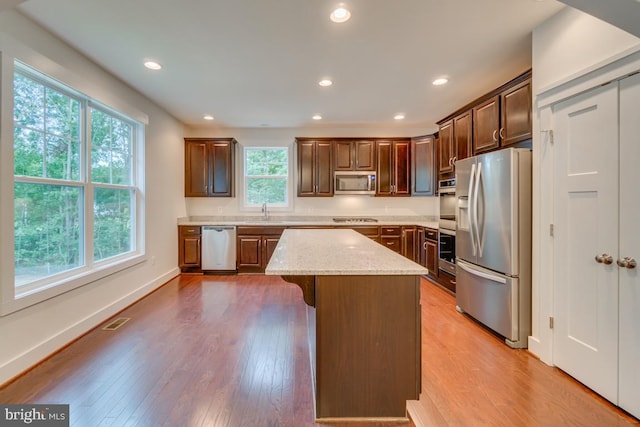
(340, 14)
(325, 82)
(440, 81)
(317, 117)
(152, 65)
(207, 117)
(399, 116)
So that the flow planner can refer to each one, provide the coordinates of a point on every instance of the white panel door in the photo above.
(586, 225)
(629, 397)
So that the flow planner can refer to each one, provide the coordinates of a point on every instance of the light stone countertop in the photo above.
(301, 220)
(309, 252)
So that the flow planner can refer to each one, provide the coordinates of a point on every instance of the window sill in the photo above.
(12, 301)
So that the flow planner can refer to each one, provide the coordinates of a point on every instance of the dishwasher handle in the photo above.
(218, 227)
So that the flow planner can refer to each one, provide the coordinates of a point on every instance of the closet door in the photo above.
(585, 341)
(629, 398)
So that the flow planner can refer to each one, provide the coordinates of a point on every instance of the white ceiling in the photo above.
(253, 63)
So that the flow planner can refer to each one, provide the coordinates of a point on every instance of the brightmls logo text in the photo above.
(34, 415)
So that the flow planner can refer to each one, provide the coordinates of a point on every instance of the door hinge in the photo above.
(551, 230)
(549, 132)
(550, 322)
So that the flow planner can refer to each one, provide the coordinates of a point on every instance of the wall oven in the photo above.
(447, 226)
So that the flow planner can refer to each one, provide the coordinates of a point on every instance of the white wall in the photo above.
(29, 335)
(337, 205)
(567, 49)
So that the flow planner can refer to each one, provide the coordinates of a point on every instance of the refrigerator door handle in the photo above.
(476, 188)
(484, 275)
(470, 209)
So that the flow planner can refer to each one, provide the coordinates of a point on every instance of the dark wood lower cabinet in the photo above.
(189, 241)
(428, 250)
(410, 243)
(255, 245)
(447, 280)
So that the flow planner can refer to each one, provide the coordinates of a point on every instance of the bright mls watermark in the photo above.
(34, 415)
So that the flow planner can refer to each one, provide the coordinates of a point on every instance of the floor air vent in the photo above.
(116, 323)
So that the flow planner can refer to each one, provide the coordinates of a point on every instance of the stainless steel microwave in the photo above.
(355, 182)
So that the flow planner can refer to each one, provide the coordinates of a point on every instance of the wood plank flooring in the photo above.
(232, 351)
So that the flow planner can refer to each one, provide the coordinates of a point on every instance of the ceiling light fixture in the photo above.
(340, 14)
(207, 117)
(325, 82)
(152, 65)
(440, 81)
(399, 116)
(317, 117)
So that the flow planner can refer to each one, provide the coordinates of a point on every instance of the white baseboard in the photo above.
(41, 351)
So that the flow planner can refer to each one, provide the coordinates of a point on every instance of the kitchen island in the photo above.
(363, 306)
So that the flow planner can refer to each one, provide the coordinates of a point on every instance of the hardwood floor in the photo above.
(232, 351)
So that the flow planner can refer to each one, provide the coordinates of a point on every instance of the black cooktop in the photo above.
(354, 219)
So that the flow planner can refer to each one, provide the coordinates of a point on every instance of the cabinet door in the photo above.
(196, 183)
(384, 162)
(486, 125)
(463, 135)
(221, 162)
(306, 168)
(445, 147)
(516, 114)
(324, 168)
(402, 168)
(431, 254)
(250, 252)
(423, 166)
(191, 251)
(365, 155)
(343, 155)
(269, 246)
(409, 241)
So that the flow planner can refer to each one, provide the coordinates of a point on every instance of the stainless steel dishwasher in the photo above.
(218, 248)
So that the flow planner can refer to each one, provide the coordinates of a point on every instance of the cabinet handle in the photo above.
(389, 243)
(501, 133)
(627, 262)
(495, 139)
(424, 246)
(604, 258)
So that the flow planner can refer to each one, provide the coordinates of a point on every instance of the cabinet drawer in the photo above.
(386, 230)
(261, 231)
(391, 242)
(431, 234)
(189, 230)
(367, 231)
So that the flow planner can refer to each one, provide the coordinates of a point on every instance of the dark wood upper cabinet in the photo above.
(486, 125)
(445, 147)
(355, 155)
(209, 167)
(516, 114)
(462, 136)
(423, 166)
(393, 168)
(315, 168)
(498, 119)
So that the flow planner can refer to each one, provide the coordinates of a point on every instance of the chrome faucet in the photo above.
(265, 212)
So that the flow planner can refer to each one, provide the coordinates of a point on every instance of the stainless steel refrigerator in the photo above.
(493, 242)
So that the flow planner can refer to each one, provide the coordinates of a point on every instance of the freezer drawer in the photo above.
(493, 300)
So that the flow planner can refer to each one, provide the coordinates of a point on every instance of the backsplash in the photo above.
(313, 206)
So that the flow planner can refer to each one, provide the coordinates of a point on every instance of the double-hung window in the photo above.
(266, 176)
(76, 191)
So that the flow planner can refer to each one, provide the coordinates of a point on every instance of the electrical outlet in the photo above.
(153, 260)
(219, 210)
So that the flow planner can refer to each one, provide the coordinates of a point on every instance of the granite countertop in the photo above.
(330, 252)
(293, 220)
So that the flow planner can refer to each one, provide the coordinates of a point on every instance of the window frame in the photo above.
(286, 207)
(13, 298)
